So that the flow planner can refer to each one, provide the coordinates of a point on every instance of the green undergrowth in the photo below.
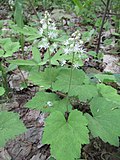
(56, 68)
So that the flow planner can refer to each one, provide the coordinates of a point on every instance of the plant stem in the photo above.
(4, 79)
(70, 80)
(50, 66)
(35, 12)
(101, 29)
(23, 76)
(22, 44)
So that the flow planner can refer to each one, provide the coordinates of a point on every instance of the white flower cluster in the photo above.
(11, 2)
(48, 24)
(49, 31)
(73, 45)
(44, 43)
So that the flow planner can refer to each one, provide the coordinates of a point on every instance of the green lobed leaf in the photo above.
(9, 47)
(40, 100)
(109, 93)
(79, 84)
(84, 92)
(10, 126)
(29, 31)
(1, 52)
(106, 77)
(44, 79)
(105, 120)
(62, 82)
(64, 137)
(61, 106)
(2, 91)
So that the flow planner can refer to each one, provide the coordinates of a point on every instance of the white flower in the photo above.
(44, 26)
(47, 15)
(40, 31)
(76, 65)
(66, 43)
(71, 39)
(42, 21)
(82, 51)
(63, 62)
(52, 34)
(44, 43)
(54, 45)
(76, 47)
(76, 34)
(52, 26)
(66, 50)
(11, 2)
(50, 104)
(45, 46)
(25, 48)
(81, 42)
(51, 49)
(72, 45)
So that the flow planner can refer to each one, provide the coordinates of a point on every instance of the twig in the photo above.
(103, 2)
(113, 14)
(103, 20)
(35, 12)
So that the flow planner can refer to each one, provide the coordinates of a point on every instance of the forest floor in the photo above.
(28, 145)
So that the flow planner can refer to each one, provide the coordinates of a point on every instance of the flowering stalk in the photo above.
(74, 48)
(50, 66)
(70, 80)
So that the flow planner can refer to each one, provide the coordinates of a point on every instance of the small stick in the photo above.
(35, 12)
(101, 29)
(103, 2)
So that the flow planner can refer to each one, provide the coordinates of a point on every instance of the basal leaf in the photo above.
(109, 93)
(105, 77)
(10, 126)
(9, 46)
(61, 106)
(44, 79)
(84, 92)
(105, 120)
(64, 137)
(40, 100)
(29, 31)
(1, 52)
(79, 84)
(62, 82)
